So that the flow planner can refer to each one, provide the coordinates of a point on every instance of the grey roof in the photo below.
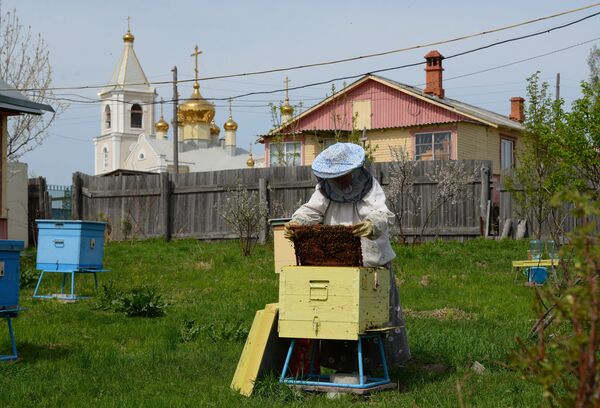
(484, 114)
(202, 158)
(128, 74)
(13, 101)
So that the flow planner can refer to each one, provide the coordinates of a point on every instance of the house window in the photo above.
(507, 154)
(105, 156)
(136, 116)
(285, 154)
(432, 146)
(107, 117)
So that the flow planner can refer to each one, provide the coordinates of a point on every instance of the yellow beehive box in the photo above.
(284, 253)
(338, 303)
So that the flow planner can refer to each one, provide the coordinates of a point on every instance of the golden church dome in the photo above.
(250, 161)
(128, 37)
(161, 125)
(196, 109)
(214, 129)
(287, 109)
(230, 124)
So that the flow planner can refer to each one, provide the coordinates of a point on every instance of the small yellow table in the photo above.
(517, 265)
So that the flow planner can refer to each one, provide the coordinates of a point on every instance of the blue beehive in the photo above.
(9, 273)
(67, 245)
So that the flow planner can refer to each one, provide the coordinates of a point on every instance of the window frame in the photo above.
(513, 143)
(136, 112)
(299, 153)
(433, 143)
(107, 117)
(105, 157)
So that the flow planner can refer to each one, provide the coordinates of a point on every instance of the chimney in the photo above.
(517, 109)
(433, 74)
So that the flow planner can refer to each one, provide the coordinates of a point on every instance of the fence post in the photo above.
(76, 198)
(262, 197)
(165, 199)
(484, 198)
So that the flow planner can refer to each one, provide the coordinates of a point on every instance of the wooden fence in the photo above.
(38, 205)
(187, 205)
(509, 211)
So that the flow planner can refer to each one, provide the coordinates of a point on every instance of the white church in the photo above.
(131, 140)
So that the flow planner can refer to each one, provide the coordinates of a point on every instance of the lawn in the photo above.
(461, 303)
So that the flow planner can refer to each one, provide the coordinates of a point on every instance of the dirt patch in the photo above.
(446, 313)
(204, 266)
(326, 245)
(425, 281)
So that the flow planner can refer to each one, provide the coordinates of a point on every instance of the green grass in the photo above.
(75, 355)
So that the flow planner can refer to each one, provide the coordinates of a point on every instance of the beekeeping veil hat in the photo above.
(338, 160)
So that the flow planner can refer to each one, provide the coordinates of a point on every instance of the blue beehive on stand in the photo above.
(70, 246)
(10, 269)
(67, 245)
(9, 273)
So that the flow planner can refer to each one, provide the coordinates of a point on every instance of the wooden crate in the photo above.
(338, 303)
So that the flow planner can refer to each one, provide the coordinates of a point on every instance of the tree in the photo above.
(594, 64)
(539, 175)
(580, 139)
(400, 191)
(564, 356)
(25, 64)
(245, 213)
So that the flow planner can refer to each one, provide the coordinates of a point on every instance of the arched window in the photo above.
(105, 156)
(136, 116)
(107, 117)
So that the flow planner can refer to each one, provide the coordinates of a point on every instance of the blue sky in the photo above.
(84, 39)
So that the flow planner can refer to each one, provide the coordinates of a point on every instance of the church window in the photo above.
(136, 116)
(107, 117)
(141, 156)
(105, 156)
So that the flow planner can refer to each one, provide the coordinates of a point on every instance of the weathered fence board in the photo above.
(187, 205)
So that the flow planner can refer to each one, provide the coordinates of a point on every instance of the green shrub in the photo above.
(29, 277)
(142, 302)
(108, 296)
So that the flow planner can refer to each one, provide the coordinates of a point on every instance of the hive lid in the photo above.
(10, 245)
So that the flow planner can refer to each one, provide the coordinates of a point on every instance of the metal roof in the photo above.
(13, 101)
(460, 110)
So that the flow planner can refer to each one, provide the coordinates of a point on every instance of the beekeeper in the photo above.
(347, 194)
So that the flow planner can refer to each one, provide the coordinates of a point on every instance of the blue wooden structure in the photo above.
(321, 382)
(10, 269)
(69, 247)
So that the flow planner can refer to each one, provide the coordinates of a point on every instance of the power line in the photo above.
(361, 57)
(325, 82)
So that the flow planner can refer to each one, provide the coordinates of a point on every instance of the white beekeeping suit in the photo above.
(347, 194)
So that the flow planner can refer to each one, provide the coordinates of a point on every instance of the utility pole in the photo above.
(175, 123)
(558, 86)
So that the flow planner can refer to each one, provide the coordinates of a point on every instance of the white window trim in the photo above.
(276, 164)
(433, 133)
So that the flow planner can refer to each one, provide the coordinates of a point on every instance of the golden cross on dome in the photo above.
(128, 23)
(195, 54)
(286, 82)
(161, 107)
(230, 107)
